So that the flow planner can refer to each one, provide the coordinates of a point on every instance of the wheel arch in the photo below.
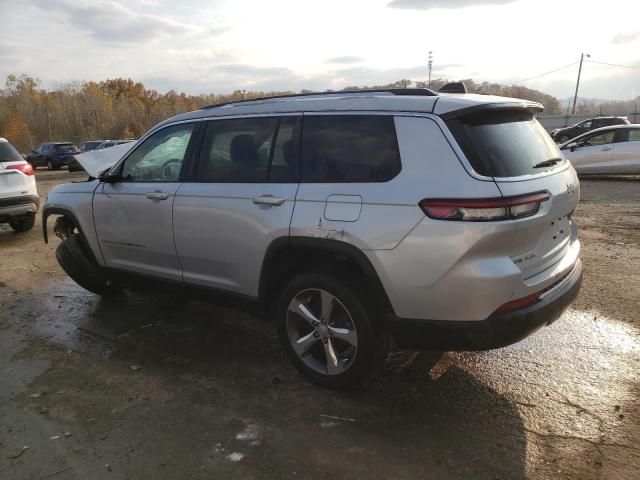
(284, 257)
(67, 215)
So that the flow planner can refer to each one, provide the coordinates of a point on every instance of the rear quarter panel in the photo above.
(389, 211)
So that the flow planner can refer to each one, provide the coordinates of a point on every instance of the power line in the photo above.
(614, 64)
(545, 73)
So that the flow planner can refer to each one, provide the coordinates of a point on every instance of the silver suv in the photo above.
(439, 221)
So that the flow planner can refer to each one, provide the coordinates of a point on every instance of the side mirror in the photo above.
(110, 178)
(572, 146)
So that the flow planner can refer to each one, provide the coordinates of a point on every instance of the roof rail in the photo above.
(394, 91)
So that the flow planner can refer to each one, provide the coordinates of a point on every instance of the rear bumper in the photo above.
(60, 161)
(18, 206)
(499, 330)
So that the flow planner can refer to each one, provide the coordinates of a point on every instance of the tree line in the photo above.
(122, 108)
(75, 112)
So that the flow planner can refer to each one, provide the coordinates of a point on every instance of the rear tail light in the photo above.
(25, 168)
(484, 210)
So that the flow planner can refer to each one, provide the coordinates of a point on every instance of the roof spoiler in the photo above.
(532, 107)
(453, 87)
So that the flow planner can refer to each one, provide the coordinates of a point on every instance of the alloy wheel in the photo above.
(321, 332)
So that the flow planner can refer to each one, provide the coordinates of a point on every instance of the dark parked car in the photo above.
(89, 145)
(561, 135)
(53, 155)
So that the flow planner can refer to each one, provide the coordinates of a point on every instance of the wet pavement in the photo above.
(162, 385)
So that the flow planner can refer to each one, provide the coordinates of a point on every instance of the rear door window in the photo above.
(507, 143)
(349, 148)
(250, 150)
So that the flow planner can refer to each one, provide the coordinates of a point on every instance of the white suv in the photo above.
(19, 199)
(441, 221)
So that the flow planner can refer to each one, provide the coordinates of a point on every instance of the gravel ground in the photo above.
(156, 385)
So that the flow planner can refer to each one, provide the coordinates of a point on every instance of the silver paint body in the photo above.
(217, 234)
(611, 159)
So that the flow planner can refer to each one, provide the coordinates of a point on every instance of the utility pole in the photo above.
(429, 66)
(575, 97)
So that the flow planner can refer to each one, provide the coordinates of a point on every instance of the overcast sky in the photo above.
(204, 46)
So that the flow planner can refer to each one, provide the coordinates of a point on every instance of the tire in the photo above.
(563, 138)
(80, 265)
(49, 165)
(23, 224)
(350, 318)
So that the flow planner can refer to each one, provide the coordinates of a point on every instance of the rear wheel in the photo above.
(326, 328)
(23, 224)
(80, 265)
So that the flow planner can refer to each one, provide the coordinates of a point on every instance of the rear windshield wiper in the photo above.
(547, 163)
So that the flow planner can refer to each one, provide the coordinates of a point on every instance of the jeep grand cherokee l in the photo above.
(442, 221)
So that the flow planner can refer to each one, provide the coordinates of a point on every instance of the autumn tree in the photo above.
(17, 132)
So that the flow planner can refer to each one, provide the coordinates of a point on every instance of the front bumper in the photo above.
(499, 330)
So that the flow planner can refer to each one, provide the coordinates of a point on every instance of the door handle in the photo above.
(269, 200)
(157, 195)
(606, 149)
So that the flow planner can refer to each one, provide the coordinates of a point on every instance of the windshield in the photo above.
(8, 153)
(507, 143)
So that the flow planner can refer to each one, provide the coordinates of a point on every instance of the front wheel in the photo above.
(564, 138)
(80, 265)
(327, 330)
(49, 165)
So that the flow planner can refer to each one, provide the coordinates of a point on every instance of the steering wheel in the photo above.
(168, 166)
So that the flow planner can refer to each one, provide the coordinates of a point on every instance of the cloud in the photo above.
(347, 59)
(626, 37)
(443, 4)
(110, 21)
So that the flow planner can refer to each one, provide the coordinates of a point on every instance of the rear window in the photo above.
(505, 143)
(349, 148)
(8, 153)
